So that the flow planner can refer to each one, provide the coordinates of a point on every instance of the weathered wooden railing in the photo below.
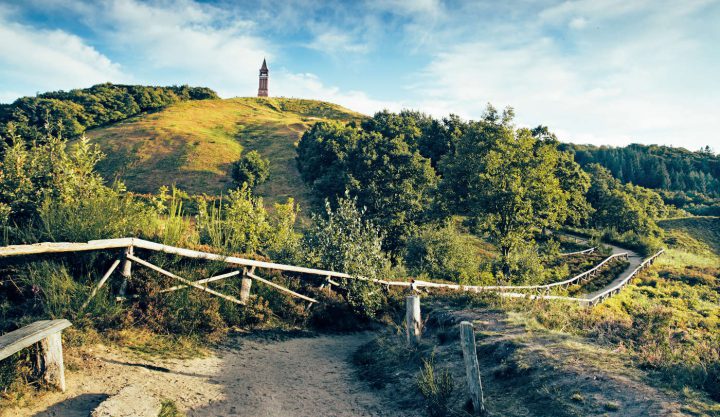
(249, 266)
(598, 298)
(580, 252)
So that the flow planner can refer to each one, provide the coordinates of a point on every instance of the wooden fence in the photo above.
(249, 267)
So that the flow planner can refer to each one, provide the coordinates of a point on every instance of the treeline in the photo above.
(72, 112)
(658, 167)
(413, 174)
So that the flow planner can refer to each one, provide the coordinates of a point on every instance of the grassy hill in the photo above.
(192, 144)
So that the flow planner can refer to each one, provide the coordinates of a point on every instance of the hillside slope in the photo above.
(193, 144)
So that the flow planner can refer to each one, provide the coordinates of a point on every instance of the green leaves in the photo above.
(514, 183)
(390, 179)
(252, 169)
(340, 240)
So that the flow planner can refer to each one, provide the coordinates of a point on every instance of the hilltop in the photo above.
(192, 144)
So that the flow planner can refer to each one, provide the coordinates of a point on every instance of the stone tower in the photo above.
(264, 72)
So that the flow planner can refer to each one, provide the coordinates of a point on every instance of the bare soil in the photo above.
(299, 376)
(529, 373)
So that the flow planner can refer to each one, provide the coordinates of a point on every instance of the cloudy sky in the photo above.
(595, 71)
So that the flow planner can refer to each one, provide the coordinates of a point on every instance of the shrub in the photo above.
(342, 241)
(436, 387)
(442, 253)
(252, 169)
(241, 224)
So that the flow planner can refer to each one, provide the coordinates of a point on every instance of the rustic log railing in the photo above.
(580, 252)
(130, 243)
(598, 298)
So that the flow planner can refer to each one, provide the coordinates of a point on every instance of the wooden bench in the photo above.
(50, 358)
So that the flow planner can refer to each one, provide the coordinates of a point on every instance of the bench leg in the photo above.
(52, 358)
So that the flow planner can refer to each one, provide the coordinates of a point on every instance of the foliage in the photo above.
(443, 253)
(51, 193)
(386, 175)
(342, 241)
(658, 167)
(510, 181)
(78, 110)
(437, 387)
(240, 223)
(252, 169)
(624, 207)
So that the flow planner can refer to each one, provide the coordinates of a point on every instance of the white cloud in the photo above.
(578, 23)
(335, 42)
(648, 82)
(185, 42)
(35, 59)
(306, 85)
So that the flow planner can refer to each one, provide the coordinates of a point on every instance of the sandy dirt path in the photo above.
(634, 260)
(304, 376)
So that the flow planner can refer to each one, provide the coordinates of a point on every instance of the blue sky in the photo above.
(595, 71)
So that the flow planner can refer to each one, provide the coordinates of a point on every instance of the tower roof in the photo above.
(264, 66)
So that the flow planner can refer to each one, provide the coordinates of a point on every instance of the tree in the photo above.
(251, 169)
(391, 180)
(508, 179)
(624, 208)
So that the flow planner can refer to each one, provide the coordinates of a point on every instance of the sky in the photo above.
(609, 72)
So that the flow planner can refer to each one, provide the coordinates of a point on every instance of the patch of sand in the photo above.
(305, 376)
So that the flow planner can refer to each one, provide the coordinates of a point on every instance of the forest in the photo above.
(687, 179)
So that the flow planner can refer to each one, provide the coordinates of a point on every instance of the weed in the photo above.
(437, 387)
(169, 409)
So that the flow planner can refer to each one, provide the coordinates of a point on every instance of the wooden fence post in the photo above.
(126, 270)
(245, 285)
(413, 321)
(472, 367)
(53, 366)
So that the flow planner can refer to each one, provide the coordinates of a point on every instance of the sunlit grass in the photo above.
(192, 144)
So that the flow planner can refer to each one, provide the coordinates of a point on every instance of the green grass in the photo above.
(193, 144)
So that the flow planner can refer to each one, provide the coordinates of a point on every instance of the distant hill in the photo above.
(192, 144)
(73, 112)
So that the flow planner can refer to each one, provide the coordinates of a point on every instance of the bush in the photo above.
(241, 224)
(442, 253)
(436, 387)
(342, 241)
(252, 169)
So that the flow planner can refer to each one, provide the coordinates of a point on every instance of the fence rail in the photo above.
(580, 252)
(130, 243)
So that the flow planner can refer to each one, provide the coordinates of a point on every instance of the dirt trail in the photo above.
(305, 376)
(634, 260)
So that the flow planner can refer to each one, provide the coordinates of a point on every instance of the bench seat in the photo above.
(48, 334)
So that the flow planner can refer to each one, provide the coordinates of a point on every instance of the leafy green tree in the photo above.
(624, 208)
(393, 182)
(508, 179)
(251, 169)
(240, 223)
(341, 240)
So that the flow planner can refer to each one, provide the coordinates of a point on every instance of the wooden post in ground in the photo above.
(472, 367)
(413, 321)
(245, 289)
(53, 367)
(126, 270)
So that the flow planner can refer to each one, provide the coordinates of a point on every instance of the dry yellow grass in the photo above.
(192, 144)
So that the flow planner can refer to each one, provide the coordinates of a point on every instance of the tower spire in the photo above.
(264, 75)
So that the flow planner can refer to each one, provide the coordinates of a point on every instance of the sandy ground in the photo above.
(306, 376)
